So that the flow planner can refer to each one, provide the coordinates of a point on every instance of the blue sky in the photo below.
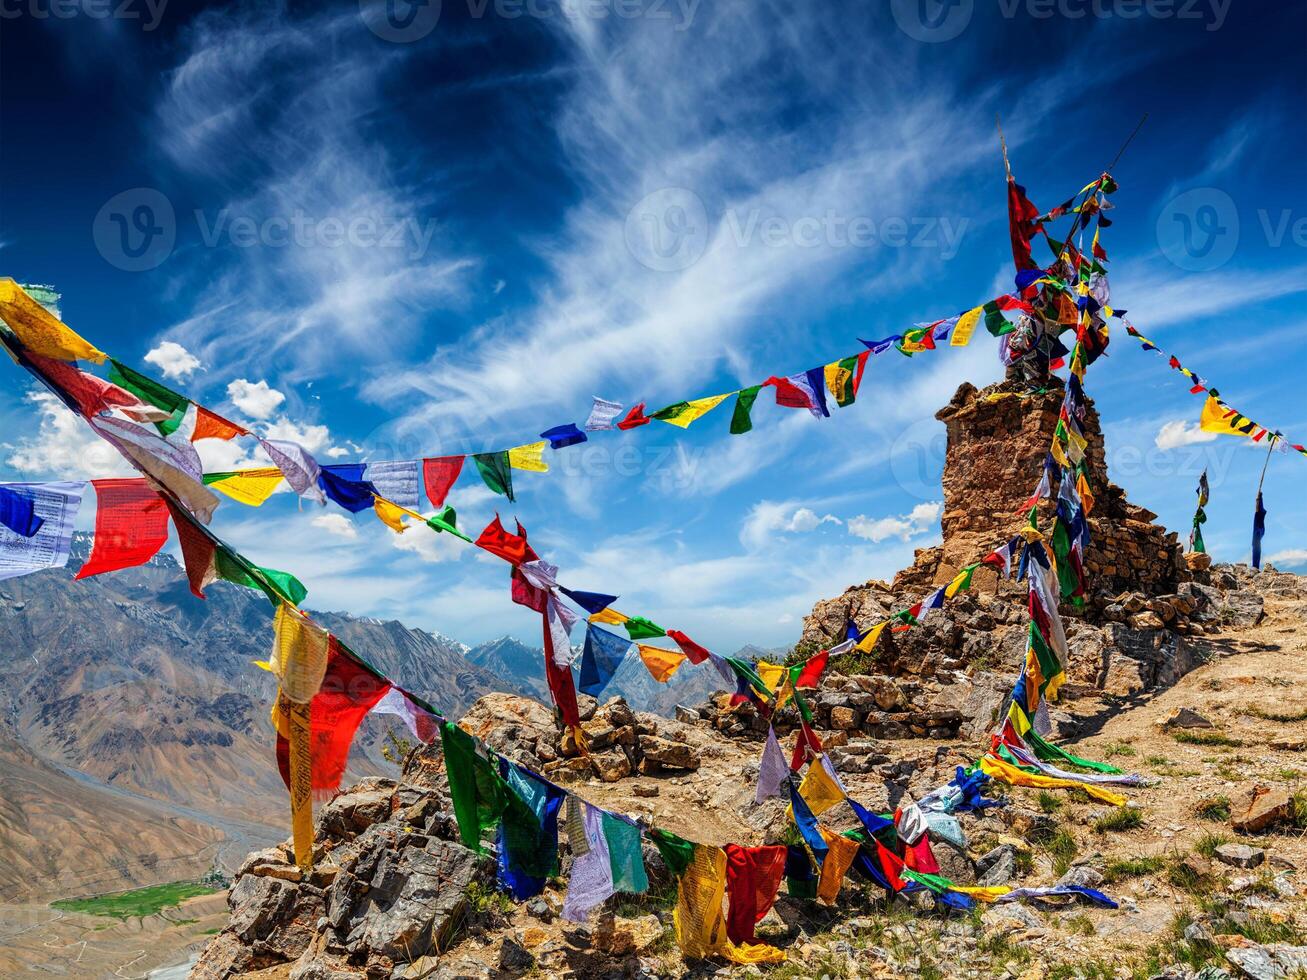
(430, 234)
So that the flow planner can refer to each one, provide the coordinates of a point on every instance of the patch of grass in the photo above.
(137, 903)
(1024, 863)
(1213, 808)
(1119, 748)
(1084, 970)
(1122, 818)
(1208, 843)
(1062, 848)
(1185, 878)
(1289, 775)
(1081, 925)
(1132, 868)
(1002, 950)
(489, 903)
(1049, 802)
(1298, 804)
(1206, 738)
(1285, 717)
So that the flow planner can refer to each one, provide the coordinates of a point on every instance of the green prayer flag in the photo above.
(639, 628)
(496, 472)
(278, 586)
(677, 852)
(1048, 752)
(478, 792)
(847, 393)
(625, 857)
(670, 412)
(995, 322)
(446, 520)
(1048, 664)
(740, 420)
(146, 389)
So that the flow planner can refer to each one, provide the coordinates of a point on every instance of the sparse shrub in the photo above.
(1132, 868)
(1120, 748)
(1213, 808)
(1122, 818)
(1209, 842)
(1049, 802)
(1206, 738)
(1062, 848)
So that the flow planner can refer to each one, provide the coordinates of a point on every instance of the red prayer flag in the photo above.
(695, 653)
(131, 525)
(810, 676)
(788, 394)
(211, 425)
(348, 692)
(1021, 215)
(919, 857)
(561, 687)
(753, 877)
(634, 418)
(806, 738)
(91, 394)
(510, 547)
(891, 864)
(439, 475)
(198, 550)
(525, 594)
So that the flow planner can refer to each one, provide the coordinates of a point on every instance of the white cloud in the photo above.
(1293, 556)
(337, 524)
(768, 517)
(1177, 433)
(314, 438)
(904, 527)
(64, 447)
(174, 360)
(254, 398)
(429, 545)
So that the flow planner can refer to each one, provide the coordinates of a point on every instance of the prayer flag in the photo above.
(625, 856)
(966, 326)
(772, 768)
(603, 654)
(199, 551)
(149, 390)
(447, 520)
(92, 395)
(439, 475)
(662, 663)
(609, 616)
(639, 628)
(1259, 530)
(278, 586)
(809, 674)
(591, 602)
(496, 472)
(558, 673)
(210, 425)
(683, 413)
(1023, 224)
(1217, 418)
(249, 487)
(603, 415)
(840, 853)
(796, 391)
(39, 330)
(696, 653)
(634, 418)
(753, 877)
(478, 792)
(131, 525)
(868, 641)
(55, 506)
(396, 480)
(528, 832)
(299, 654)
(741, 421)
(392, 515)
(591, 881)
(530, 457)
(173, 465)
(344, 484)
(298, 466)
(424, 725)
(513, 548)
(562, 436)
(18, 512)
(700, 925)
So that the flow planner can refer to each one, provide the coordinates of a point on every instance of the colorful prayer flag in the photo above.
(131, 525)
(39, 330)
(55, 505)
(496, 472)
(438, 475)
(741, 421)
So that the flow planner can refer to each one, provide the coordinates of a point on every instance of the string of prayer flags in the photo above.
(131, 525)
(18, 512)
(347, 693)
(753, 878)
(496, 472)
(439, 475)
(249, 487)
(39, 330)
(55, 506)
(603, 654)
(741, 421)
(683, 413)
(1200, 516)
(530, 457)
(562, 436)
(662, 663)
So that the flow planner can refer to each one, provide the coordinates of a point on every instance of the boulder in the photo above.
(610, 766)
(1258, 807)
(1185, 718)
(1240, 855)
(667, 754)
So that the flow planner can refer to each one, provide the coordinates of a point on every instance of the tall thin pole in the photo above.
(1138, 126)
(1269, 449)
(1003, 143)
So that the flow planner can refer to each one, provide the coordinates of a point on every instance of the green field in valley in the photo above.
(135, 903)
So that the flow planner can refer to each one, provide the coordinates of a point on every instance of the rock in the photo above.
(270, 863)
(1030, 825)
(1270, 962)
(1197, 561)
(688, 716)
(353, 812)
(1240, 855)
(611, 766)
(514, 958)
(667, 754)
(1185, 718)
(1257, 807)
(1081, 876)
(1147, 620)
(646, 790)
(997, 866)
(1009, 918)
(843, 718)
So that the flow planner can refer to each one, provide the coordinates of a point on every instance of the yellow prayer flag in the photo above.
(868, 642)
(837, 376)
(391, 515)
(609, 616)
(818, 790)
(959, 580)
(966, 326)
(1058, 453)
(250, 487)
(840, 855)
(1214, 419)
(982, 893)
(1086, 495)
(529, 457)
(299, 654)
(1006, 773)
(662, 663)
(39, 330)
(698, 919)
(771, 674)
(695, 410)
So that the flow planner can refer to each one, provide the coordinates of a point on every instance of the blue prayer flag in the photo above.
(603, 654)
